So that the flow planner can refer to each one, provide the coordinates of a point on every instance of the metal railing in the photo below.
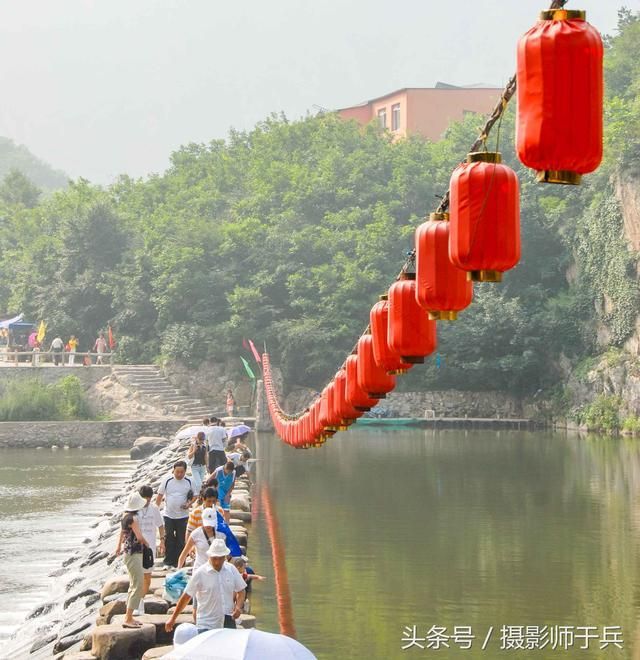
(61, 358)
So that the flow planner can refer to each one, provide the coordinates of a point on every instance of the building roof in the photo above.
(439, 85)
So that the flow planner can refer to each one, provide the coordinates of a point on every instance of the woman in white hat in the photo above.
(131, 540)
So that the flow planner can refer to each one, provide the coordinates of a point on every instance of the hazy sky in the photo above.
(102, 87)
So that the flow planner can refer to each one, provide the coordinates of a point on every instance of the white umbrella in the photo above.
(190, 431)
(228, 644)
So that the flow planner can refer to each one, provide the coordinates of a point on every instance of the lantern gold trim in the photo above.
(397, 372)
(412, 359)
(563, 15)
(484, 275)
(559, 176)
(444, 216)
(443, 316)
(484, 157)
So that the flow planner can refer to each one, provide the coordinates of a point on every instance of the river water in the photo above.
(456, 533)
(48, 500)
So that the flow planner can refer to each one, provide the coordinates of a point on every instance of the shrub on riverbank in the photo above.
(32, 400)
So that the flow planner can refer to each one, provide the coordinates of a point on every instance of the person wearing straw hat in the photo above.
(132, 540)
(218, 587)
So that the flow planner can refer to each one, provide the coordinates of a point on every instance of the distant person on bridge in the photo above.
(177, 491)
(72, 345)
(100, 347)
(216, 437)
(56, 348)
(231, 403)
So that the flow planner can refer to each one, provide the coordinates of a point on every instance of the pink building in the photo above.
(427, 111)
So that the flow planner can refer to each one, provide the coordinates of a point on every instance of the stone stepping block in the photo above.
(157, 620)
(240, 502)
(158, 652)
(246, 621)
(113, 642)
(158, 592)
(80, 655)
(187, 610)
(108, 611)
(245, 516)
(155, 605)
(117, 584)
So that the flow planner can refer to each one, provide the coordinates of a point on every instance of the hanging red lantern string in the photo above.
(347, 413)
(560, 97)
(441, 288)
(484, 237)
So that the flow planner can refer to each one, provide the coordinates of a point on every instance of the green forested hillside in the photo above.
(288, 233)
(16, 157)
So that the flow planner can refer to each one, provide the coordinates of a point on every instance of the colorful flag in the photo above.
(112, 341)
(42, 331)
(247, 368)
(254, 350)
(245, 345)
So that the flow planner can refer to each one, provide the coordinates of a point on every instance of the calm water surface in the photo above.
(384, 530)
(48, 499)
(381, 530)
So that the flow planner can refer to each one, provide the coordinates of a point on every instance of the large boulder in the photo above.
(118, 584)
(113, 642)
(146, 445)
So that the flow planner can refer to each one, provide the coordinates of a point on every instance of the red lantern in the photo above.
(343, 408)
(356, 396)
(411, 333)
(484, 236)
(384, 356)
(372, 378)
(560, 97)
(335, 420)
(325, 414)
(441, 288)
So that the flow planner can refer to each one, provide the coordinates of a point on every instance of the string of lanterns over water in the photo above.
(474, 235)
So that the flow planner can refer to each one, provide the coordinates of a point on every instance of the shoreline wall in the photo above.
(49, 374)
(121, 434)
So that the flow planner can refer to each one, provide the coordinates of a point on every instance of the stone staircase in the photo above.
(152, 387)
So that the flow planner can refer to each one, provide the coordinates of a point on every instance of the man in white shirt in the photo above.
(218, 587)
(216, 438)
(177, 491)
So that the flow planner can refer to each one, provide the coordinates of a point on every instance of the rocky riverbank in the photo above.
(82, 622)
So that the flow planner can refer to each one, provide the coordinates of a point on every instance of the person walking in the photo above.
(56, 348)
(131, 541)
(198, 456)
(226, 477)
(231, 403)
(216, 438)
(177, 491)
(100, 347)
(218, 588)
(151, 524)
(73, 347)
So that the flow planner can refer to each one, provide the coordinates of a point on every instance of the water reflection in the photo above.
(390, 529)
